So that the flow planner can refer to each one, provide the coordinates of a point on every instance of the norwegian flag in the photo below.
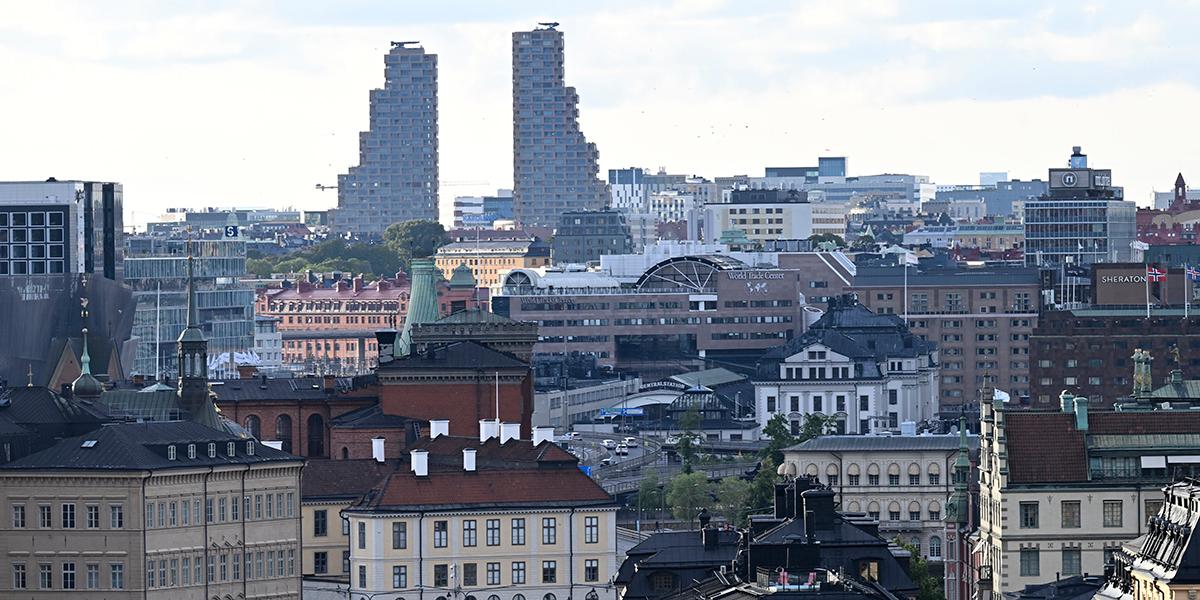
(1155, 274)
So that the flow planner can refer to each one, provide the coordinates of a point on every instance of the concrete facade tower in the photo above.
(555, 168)
(397, 176)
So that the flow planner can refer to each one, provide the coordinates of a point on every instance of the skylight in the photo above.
(88, 444)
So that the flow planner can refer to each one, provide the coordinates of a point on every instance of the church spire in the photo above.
(959, 504)
(192, 320)
(86, 385)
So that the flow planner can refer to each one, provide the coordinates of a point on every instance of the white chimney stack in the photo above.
(377, 451)
(543, 434)
(420, 462)
(438, 427)
(468, 459)
(509, 431)
(488, 429)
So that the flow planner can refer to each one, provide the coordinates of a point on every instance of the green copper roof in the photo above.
(422, 303)
(192, 332)
(462, 277)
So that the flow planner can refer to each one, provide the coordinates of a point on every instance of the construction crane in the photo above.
(549, 25)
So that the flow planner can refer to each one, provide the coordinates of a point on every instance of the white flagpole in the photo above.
(1147, 280)
(904, 260)
(1187, 297)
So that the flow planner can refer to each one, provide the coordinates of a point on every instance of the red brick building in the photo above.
(330, 328)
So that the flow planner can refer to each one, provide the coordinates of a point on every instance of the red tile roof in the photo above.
(326, 478)
(1044, 447)
(557, 487)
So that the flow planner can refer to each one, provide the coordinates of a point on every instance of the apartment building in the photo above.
(866, 369)
(167, 510)
(326, 488)
(902, 481)
(489, 517)
(489, 260)
(981, 320)
(765, 215)
(1062, 490)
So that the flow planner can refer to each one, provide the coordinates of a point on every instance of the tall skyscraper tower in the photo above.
(397, 174)
(555, 168)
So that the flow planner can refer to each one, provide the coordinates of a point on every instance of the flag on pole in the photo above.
(1193, 273)
(1155, 275)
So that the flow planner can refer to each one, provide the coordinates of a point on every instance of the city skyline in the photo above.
(708, 88)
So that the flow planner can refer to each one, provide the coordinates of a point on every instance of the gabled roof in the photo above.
(141, 446)
(41, 406)
(325, 479)
(372, 417)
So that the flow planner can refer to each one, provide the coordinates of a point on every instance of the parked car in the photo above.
(607, 460)
(622, 450)
(609, 444)
(632, 442)
(671, 440)
(571, 435)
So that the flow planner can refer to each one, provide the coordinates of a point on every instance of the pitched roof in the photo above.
(470, 316)
(290, 389)
(41, 406)
(513, 474)
(372, 417)
(325, 479)
(140, 446)
(883, 443)
(466, 354)
(1030, 433)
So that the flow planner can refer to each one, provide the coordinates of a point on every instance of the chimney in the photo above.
(357, 284)
(1067, 401)
(377, 451)
(420, 462)
(1081, 413)
(542, 434)
(386, 342)
(438, 427)
(66, 391)
(818, 506)
(330, 383)
(139, 380)
(509, 431)
(1176, 376)
(781, 501)
(276, 444)
(488, 429)
(469, 459)
(710, 537)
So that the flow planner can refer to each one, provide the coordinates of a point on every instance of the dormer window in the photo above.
(191, 451)
(250, 448)
(171, 452)
(212, 450)
(231, 448)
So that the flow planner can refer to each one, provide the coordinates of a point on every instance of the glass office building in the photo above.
(225, 305)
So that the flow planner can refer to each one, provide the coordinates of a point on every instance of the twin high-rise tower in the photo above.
(555, 168)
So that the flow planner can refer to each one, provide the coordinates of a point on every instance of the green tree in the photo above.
(864, 242)
(779, 436)
(690, 420)
(733, 497)
(687, 494)
(649, 496)
(918, 570)
(762, 489)
(415, 239)
(260, 267)
(686, 448)
(828, 237)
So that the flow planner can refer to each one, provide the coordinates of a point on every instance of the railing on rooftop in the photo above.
(525, 291)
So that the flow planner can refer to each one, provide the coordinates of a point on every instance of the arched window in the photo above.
(831, 474)
(873, 510)
(935, 474)
(283, 431)
(810, 470)
(253, 426)
(914, 474)
(893, 474)
(345, 453)
(316, 435)
(914, 511)
(548, 596)
(853, 507)
(916, 544)
(935, 547)
(493, 597)
(518, 596)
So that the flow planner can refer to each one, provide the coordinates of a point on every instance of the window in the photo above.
(212, 450)
(68, 576)
(518, 532)
(470, 574)
(186, 570)
(518, 573)
(469, 533)
(191, 451)
(68, 515)
(591, 530)
(320, 523)
(1071, 562)
(399, 577)
(1029, 515)
(1030, 563)
(591, 570)
(914, 479)
(221, 502)
(234, 503)
(320, 562)
(18, 517)
(893, 479)
(914, 515)
(935, 515)
(362, 575)
(20, 579)
(549, 531)
(258, 506)
(1113, 513)
(208, 510)
(1070, 514)
(224, 562)
(362, 535)
(872, 478)
(853, 479)
(549, 571)
(116, 576)
(493, 573)
(441, 534)
(45, 576)
(291, 562)
(150, 573)
(174, 513)
(212, 568)
(441, 575)
(93, 517)
(345, 561)
(893, 515)
(399, 535)
(935, 547)
(935, 479)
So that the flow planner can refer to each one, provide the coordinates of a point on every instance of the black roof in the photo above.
(140, 446)
(296, 388)
(461, 355)
(372, 417)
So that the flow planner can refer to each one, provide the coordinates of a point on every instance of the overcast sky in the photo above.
(252, 103)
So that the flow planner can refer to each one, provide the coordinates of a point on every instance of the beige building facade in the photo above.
(155, 510)
(903, 481)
